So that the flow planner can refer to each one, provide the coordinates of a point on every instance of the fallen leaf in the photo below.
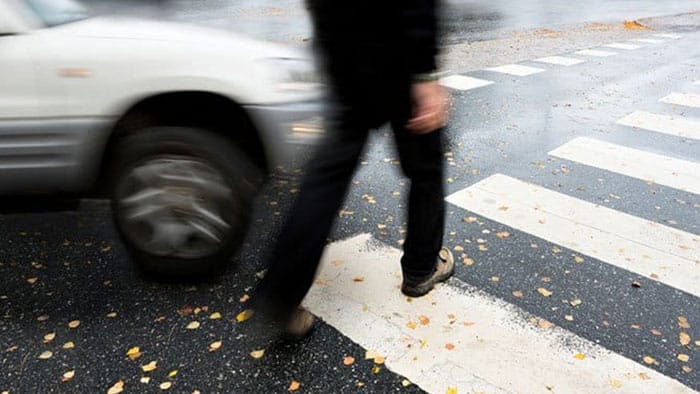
(117, 388)
(467, 261)
(575, 302)
(636, 326)
(636, 284)
(68, 345)
(257, 353)
(569, 318)
(244, 298)
(172, 373)
(424, 320)
(193, 325)
(405, 383)
(68, 376)
(185, 311)
(556, 250)
(376, 369)
(48, 338)
(616, 384)
(578, 259)
(546, 279)
(683, 322)
(683, 357)
(150, 366)
(546, 324)
(134, 353)
(74, 324)
(503, 234)
(634, 25)
(470, 219)
(358, 279)
(294, 385)
(458, 248)
(31, 281)
(579, 356)
(379, 360)
(348, 360)
(371, 354)
(544, 291)
(359, 384)
(449, 346)
(649, 360)
(451, 390)
(215, 316)
(684, 338)
(214, 346)
(166, 385)
(644, 376)
(518, 294)
(243, 316)
(46, 355)
(112, 314)
(145, 379)
(483, 248)
(494, 279)
(656, 332)
(503, 208)
(687, 369)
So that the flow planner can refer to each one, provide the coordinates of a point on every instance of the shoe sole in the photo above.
(419, 291)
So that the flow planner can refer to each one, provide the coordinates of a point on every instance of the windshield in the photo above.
(57, 12)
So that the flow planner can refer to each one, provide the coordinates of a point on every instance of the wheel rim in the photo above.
(176, 206)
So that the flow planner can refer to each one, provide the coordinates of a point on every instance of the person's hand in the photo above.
(430, 107)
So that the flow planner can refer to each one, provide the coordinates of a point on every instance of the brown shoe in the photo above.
(300, 324)
(443, 270)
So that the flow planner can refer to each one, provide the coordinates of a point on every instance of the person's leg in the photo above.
(421, 159)
(300, 244)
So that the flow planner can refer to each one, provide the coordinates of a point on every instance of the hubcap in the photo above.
(176, 207)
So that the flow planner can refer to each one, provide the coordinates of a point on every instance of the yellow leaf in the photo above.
(687, 369)
(371, 354)
(451, 390)
(193, 325)
(579, 356)
(467, 261)
(684, 338)
(575, 302)
(544, 292)
(644, 376)
(214, 346)
(74, 324)
(68, 376)
(46, 355)
(470, 219)
(68, 345)
(684, 357)
(546, 324)
(518, 294)
(424, 320)
(569, 318)
(405, 383)
(112, 314)
(48, 338)
(379, 360)
(257, 353)
(376, 369)
(172, 373)
(149, 367)
(166, 385)
(134, 353)
(578, 259)
(616, 384)
(503, 234)
(215, 316)
(145, 380)
(503, 208)
(358, 279)
(656, 332)
(348, 360)
(494, 279)
(31, 281)
(117, 388)
(412, 325)
(649, 360)
(243, 316)
(683, 322)
(294, 385)
(423, 343)
(483, 248)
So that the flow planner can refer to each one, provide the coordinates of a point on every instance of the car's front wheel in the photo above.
(181, 199)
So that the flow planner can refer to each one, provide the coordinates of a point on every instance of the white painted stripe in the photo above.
(617, 238)
(560, 60)
(461, 82)
(663, 170)
(684, 99)
(595, 53)
(619, 45)
(697, 82)
(649, 40)
(516, 69)
(667, 35)
(497, 351)
(668, 124)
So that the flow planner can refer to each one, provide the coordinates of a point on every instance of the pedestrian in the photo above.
(380, 58)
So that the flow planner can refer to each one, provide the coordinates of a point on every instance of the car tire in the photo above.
(181, 199)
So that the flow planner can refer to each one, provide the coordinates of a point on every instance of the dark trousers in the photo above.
(297, 253)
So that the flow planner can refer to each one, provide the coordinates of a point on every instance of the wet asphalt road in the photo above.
(61, 267)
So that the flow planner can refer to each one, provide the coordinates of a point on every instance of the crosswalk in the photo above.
(461, 338)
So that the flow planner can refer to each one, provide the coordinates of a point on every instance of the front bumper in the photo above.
(283, 127)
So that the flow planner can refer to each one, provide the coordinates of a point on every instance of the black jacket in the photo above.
(372, 49)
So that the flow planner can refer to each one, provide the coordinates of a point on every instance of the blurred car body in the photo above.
(176, 124)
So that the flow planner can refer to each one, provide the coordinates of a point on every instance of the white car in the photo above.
(175, 124)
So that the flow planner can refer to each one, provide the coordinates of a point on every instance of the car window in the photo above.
(57, 12)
